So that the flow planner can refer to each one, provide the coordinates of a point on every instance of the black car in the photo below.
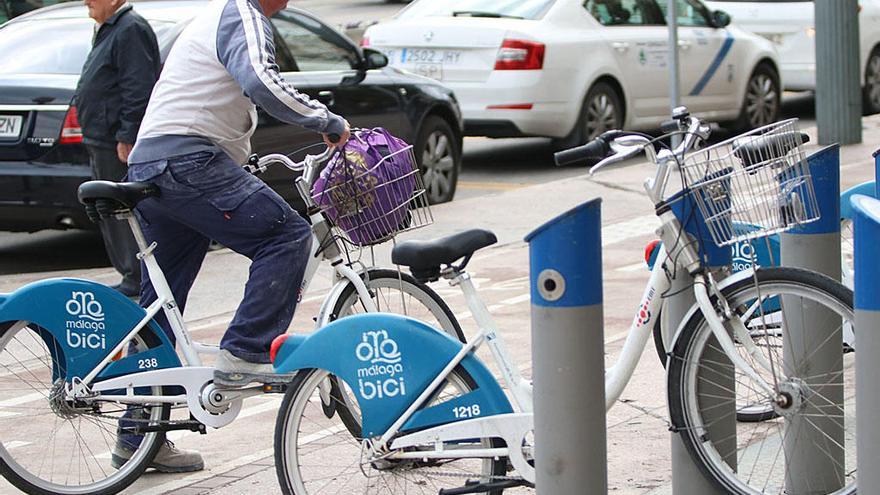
(43, 161)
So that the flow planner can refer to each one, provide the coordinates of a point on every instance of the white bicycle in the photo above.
(75, 355)
(431, 418)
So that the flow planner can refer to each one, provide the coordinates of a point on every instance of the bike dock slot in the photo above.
(568, 353)
(867, 306)
(815, 246)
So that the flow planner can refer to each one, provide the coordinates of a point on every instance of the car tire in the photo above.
(871, 90)
(602, 110)
(438, 153)
(762, 100)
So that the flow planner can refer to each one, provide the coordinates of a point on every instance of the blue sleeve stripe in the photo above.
(256, 41)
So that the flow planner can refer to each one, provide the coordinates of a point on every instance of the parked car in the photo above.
(790, 25)
(43, 161)
(571, 69)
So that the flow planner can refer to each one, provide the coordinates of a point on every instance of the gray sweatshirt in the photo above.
(223, 64)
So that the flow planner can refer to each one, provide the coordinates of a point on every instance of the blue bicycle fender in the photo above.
(81, 322)
(388, 361)
(846, 210)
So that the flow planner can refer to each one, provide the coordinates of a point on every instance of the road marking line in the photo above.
(635, 267)
(15, 444)
(628, 229)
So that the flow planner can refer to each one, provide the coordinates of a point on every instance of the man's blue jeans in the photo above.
(205, 196)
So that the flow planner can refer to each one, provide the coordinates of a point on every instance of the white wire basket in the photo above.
(370, 205)
(760, 178)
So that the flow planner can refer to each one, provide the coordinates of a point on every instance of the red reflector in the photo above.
(520, 55)
(276, 345)
(365, 42)
(521, 106)
(649, 250)
(71, 132)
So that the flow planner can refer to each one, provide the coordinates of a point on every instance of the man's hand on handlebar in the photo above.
(338, 139)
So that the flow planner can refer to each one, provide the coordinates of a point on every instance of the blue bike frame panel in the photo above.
(388, 361)
(81, 322)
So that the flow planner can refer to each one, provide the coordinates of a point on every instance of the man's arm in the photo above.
(136, 59)
(246, 48)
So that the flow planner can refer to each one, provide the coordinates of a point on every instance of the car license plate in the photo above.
(10, 126)
(429, 56)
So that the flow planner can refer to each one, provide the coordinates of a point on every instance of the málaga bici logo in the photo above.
(85, 330)
(382, 375)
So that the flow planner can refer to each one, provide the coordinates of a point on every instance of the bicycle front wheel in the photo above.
(55, 445)
(316, 453)
(808, 446)
(400, 293)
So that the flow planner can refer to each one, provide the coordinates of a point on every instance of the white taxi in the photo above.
(790, 25)
(571, 69)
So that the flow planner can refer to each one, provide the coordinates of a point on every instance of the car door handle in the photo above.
(327, 98)
(684, 44)
(620, 46)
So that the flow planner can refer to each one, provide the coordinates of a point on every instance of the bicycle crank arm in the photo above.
(720, 332)
(474, 487)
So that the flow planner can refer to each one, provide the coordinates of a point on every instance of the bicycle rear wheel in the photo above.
(315, 453)
(51, 445)
(815, 423)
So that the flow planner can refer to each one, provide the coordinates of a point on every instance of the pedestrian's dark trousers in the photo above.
(204, 196)
(121, 247)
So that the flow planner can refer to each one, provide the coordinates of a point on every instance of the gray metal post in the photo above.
(867, 302)
(812, 349)
(721, 414)
(568, 353)
(674, 82)
(838, 74)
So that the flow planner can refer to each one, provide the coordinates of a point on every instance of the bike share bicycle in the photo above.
(433, 419)
(76, 355)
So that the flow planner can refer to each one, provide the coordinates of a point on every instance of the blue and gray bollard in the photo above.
(867, 305)
(568, 353)
(812, 345)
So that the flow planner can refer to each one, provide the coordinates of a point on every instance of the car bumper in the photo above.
(547, 111)
(799, 77)
(37, 197)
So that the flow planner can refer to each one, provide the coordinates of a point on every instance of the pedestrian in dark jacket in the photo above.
(111, 98)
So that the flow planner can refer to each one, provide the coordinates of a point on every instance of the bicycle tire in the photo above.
(443, 318)
(22, 443)
(691, 387)
(345, 449)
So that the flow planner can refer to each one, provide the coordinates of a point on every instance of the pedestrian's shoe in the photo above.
(127, 290)
(169, 459)
(233, 372)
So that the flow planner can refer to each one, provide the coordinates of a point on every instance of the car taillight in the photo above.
(365, 42)
(71, 132)
(520, 55)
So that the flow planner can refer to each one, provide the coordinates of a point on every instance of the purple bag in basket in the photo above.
(367, 185)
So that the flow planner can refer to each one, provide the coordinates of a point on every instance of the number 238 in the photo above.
(466, 411)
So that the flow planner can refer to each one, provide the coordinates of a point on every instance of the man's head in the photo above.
(101, 10)
(272, 7)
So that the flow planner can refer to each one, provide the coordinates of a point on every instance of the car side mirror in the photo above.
(374, 59)
(720, 19)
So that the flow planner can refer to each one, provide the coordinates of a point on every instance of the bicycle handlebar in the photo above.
(591, 153)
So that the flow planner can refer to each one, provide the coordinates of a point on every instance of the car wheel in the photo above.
(602, 111)
(872, 83)
(439, 156)
(761, 102)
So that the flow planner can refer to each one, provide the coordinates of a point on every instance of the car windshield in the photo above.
(518, 9)
(34, 46)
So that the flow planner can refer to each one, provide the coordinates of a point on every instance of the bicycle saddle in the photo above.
(424, 258)
(104, 198)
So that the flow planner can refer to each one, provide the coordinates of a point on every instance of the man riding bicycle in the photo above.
(193, 139)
